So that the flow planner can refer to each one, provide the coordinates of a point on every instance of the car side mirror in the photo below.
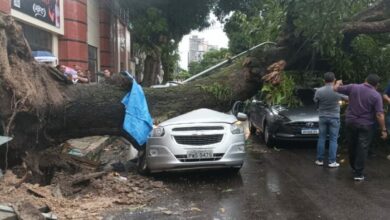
(242, 116)
(237, 107)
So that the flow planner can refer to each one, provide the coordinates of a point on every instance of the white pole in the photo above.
(226, 61)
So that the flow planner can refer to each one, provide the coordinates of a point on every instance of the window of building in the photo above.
(37, 38)
(92, 62)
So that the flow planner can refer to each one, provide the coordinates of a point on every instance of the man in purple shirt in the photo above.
(386, 99)
(365, 104)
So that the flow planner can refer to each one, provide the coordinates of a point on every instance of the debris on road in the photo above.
(85, 201)
(277, 149)
(167, 212)
(25, 210)
(7, 212)
(195, 209)
(104, 150)
(89, 147)
(83, 185)
(227, 190)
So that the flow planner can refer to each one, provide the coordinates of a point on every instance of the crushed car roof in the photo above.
(202, 115)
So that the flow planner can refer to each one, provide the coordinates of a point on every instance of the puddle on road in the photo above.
(273, 182)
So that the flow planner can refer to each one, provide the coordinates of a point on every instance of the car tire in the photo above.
(235, 170)
(142, 165)
(268, 140)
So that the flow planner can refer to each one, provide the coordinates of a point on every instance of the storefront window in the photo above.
(37, 38)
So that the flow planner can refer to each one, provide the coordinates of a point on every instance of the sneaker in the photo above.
(319, 163)
(358, 178)
(333, 165)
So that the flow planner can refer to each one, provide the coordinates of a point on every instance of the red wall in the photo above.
(73, 46)
(5, 6)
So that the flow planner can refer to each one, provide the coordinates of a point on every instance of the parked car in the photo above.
(200, 139)
(42, 56)
(278, 122)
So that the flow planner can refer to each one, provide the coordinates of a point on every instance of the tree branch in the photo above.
(375, 27)
(374, 13)
(373, 20)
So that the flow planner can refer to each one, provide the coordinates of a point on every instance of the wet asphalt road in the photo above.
(279, 183)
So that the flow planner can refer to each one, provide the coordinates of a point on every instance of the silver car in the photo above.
(200, 139)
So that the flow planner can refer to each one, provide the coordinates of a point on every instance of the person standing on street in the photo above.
(365, 104)
(329, 120)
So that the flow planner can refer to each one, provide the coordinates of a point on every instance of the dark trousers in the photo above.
(358, 140)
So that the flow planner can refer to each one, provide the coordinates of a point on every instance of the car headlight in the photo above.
(342, 102)
(158, 132)
(236, 128)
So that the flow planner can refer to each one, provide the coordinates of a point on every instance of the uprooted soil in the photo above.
(90, 200)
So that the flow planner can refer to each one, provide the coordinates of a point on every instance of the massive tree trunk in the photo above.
(39, 108)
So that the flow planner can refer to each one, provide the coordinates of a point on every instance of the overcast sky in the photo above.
(214, 35)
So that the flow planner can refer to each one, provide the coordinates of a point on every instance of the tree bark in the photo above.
(152, 69)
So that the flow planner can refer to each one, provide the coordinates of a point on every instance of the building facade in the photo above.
(89, 33)
(198, 47)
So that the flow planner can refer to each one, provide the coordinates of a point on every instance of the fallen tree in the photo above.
(39, 108)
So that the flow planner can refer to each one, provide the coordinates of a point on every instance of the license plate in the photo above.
(310, 131)
(199, 154)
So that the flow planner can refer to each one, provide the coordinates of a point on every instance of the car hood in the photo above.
(302, 113)
(202, 115)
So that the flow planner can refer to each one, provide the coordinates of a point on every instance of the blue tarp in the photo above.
(138, 122)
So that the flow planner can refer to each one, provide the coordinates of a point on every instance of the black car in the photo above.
(278, 122)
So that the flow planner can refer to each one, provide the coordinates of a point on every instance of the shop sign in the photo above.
(44, 10)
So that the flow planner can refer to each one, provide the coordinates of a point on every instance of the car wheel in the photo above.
(142, 165)
(269, 141)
